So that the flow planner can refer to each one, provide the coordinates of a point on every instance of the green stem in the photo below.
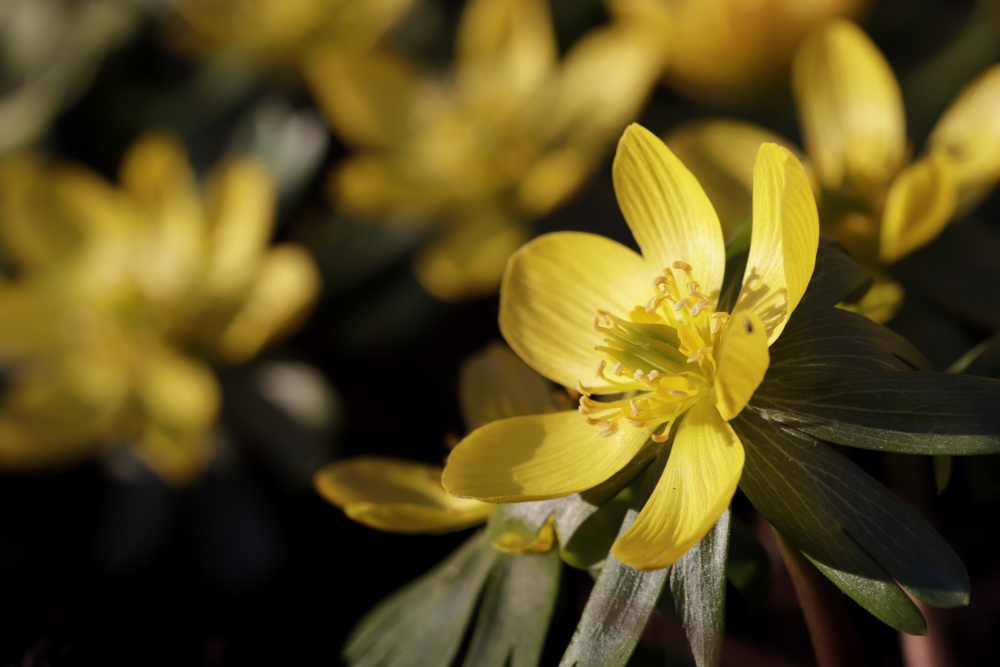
(834, 639)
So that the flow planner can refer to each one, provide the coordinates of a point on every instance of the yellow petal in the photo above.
(721, 154)
(551, 291)
(156, 172)
(850, 108)
(920, 203)
(286, 287)
(604, 80)
(697, 485)
(367, 99)
(468, 260)
(177, 392)
(507, 44)
(397, 495)
(514, 543)
(496, 384)
(742, 362)
(538, 457)
(783, 242)
(881, 302)
(969, 132)
(241, 203)
(667, 211)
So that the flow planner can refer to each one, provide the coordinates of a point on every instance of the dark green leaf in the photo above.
(982, 360)
(619, 605)
(836, 278)
(590, 543)
(908, 413)
(852, 528)
(831, 338)
(698, 589)
(423, 624)
(514, 614)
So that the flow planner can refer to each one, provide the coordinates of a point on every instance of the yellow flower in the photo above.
(872, 198)
(112, 300)
(280, 32)
(725, 51)
(650, 324)
(403, 496)
(473, 155)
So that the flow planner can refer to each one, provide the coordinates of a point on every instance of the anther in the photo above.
(638, 376)
(693, 287)
(654, 303)
(610, 429)
(661, 437)
(636, 410)
(678, 393)
(653, 374)
(637, 424)
(683, 266)
(599, 369)
(618, 368)
(683, 303)
(700, 306)
(581, 389)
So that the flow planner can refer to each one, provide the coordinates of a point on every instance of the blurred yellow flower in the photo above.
(881, 205)
(280, 32)
(112, 299)
(725, 51)
(403, 496)
(662, 351)
(510, 133)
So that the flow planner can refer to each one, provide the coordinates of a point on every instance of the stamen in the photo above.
(636, 410)
(610, 429)
(637, 424)
(683, 266)
(693, 287)
(683, 303)
(582, 389)
(679, 393)
(654, 303)
(599, 369)
(718, 321)
(618, 368)
(700, 306)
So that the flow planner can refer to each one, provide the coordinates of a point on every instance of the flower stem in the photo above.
(834, 639)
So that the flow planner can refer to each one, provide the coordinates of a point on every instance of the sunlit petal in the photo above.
(551, 291)
(784, 239)
(667, 211)
(850, 107)
(742, 362)
(538, 457)
(699, 481)
(920, 203)
(397, 495)
(969, 132)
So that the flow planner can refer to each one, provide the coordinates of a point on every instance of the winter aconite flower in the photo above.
(647, 330)
(873, 198)
(472, 155)
(114, 299)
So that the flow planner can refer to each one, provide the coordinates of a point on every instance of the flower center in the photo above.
(661, 358)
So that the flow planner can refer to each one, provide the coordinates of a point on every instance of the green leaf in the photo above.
(908, 413)
(698, 590)
(836, 278)
(619, 605)
(515, 612)
(982, 360)
(853, 529)
(830, 339)
(423, 624)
